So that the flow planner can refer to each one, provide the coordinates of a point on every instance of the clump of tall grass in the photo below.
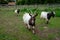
(57, 10)
(36, 10)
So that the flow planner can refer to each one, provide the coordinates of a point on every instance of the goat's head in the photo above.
(52, 14)
(32, 19)
(18, 10)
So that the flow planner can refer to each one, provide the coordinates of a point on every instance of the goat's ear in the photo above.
(35, 15)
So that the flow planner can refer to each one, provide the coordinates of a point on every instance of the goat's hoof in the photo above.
(46, 23)
(33, 32)
(17, 15)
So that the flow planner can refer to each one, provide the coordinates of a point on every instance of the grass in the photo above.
(13, 28)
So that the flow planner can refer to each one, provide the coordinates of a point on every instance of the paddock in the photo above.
(13, 28)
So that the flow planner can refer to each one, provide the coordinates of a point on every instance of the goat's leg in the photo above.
(17, 14)
(33, 30)
(26, 26)
(47, 21)
(29, 27)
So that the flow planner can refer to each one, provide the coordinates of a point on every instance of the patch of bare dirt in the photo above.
(45, 33)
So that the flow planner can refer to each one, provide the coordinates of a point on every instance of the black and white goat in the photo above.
(29, 20)
(17, 11)
(47, 15)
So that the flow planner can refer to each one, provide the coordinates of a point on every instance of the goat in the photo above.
(47, 15)
(29, 20)
(17, 11)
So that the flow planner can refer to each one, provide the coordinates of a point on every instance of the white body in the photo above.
(26, 18)
(16, 11)
(44, 15)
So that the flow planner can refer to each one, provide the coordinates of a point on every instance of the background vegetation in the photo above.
(37, 1)
(28, 2)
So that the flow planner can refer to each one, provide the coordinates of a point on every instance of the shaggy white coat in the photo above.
(16, 11)
(26, 18)
(44, 15)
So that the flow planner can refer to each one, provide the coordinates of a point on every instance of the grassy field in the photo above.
(13, 28)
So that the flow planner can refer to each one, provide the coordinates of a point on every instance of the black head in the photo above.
(52, 14)
(32, 19)
(18, 10)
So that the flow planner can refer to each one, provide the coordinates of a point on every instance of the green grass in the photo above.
(13, 28)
